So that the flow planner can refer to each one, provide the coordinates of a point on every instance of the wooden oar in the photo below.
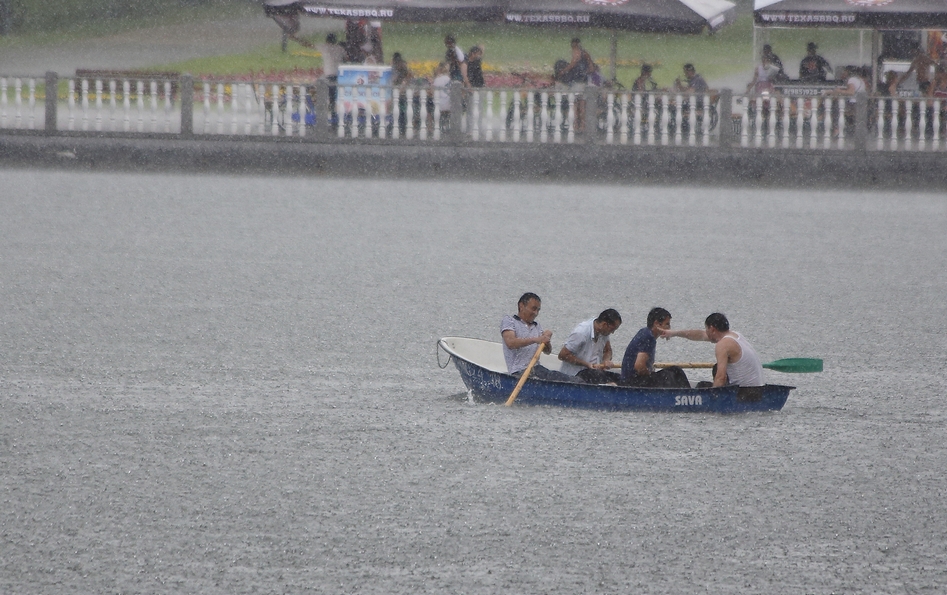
(790, 365)
(525, 374)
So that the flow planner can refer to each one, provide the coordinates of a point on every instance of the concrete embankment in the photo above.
(579, 163)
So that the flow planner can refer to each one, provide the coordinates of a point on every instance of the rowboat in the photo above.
(483, 371)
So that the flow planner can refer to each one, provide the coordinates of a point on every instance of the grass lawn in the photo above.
(91, 29)
(518, 48)
(508, 47)
(513, 48)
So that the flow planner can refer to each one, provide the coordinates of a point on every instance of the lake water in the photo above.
(229, 385)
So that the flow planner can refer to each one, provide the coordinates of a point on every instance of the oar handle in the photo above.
(678, 364)
(793, 365)
(525, 374)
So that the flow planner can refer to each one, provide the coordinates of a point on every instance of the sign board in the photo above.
(364, 87)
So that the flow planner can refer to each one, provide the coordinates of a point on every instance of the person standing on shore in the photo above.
(456, 61)
(576, 74)
(475, 66)
(737, 361)
(332, 54)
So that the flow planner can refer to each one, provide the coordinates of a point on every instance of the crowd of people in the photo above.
(925, 76)
(361, 45)
(586, 355)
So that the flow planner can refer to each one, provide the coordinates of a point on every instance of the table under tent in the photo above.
(895, 29)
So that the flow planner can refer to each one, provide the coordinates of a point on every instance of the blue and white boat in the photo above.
(483, 370)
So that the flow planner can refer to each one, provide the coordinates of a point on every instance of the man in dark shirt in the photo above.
(475, 66)
(693, 83)
(813, 68)
(637, 367)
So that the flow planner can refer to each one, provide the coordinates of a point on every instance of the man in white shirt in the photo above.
(332, 54)
(588, 352)
(521, 334)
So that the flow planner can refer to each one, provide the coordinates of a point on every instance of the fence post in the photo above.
(725, 118)
(861, 121)
(454, 132)
(187, 105)
(321, 107)
(590, 117)
(52, 101)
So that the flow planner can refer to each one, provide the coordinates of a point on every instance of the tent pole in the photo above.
(755, 51)
(613, 56)
(875, 50)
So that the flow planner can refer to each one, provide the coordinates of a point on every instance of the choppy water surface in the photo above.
(229, 385)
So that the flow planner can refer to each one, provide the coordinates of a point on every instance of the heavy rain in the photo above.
(226, 379)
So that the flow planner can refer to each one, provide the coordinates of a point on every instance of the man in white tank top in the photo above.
(737, 361)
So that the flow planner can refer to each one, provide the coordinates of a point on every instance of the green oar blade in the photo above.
(798, 365)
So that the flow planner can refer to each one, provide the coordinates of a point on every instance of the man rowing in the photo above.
(587, 353)
(637, 366)
(521, 334)
(737, 361)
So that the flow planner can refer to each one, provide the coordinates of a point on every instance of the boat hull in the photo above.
(493, 386)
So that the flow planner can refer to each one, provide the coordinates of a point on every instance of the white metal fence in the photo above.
(424, 113)
(894, 123)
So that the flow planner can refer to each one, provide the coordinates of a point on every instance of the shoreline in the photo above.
(623, 164)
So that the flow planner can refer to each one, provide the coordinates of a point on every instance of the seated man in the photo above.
(587, 353)
(637, 367)
(694, 83)
(737, 361)
(521, 333)
(644, 82)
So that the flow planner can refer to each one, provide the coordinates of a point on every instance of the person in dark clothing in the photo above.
(475, 66)
(813, 68)
(637, 367)
(402, 78)
(644, 82)
(775, 61)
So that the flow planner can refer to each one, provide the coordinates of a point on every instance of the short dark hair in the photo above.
(689, 66)
(646, 68)
(718, 321)
(449, 38)
(657, 315)
(576, 40)
(611, 316)
(529, 295)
